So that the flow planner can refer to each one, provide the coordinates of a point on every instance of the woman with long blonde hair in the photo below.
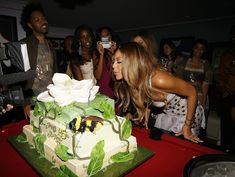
(140, 81)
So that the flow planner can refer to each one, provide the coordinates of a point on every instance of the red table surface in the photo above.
(171, 155)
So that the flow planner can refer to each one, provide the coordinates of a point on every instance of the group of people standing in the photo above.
(89, 59)
(131, 73)
(84, 56)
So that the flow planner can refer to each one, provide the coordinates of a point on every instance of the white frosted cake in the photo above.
(76, 128)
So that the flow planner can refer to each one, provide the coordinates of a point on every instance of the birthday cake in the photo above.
(75, 128)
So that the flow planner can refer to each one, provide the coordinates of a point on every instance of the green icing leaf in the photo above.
(105, 105)
(97, 157)
(65, 172)
(39, 109)
(39, 140)
(81, 106)
(61, 174)
(35, 129)
(122, 157)
(53, 109)
(93, 112)
(34, 98)
(126, 129)
(101, 106)
(50, 109)
(108, 110)
(21, 138)
(62, 152)
(68, 113)
(58, 109)
(49, 105)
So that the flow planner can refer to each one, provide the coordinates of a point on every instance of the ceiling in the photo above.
(122, 15)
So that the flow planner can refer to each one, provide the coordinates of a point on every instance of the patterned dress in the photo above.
(174, 112)
(197, 76)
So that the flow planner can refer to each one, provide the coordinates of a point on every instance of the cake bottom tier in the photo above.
(78, 167)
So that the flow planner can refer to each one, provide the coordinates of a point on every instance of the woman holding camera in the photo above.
(106, 46)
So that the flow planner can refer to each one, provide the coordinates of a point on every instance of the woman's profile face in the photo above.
(117, 65)
(140, 41)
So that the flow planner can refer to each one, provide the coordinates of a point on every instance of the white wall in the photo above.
(14, 8)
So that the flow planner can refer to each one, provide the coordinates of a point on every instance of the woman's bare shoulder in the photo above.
(161, 75)
(159, 78)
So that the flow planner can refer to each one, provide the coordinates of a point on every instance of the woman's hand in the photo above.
(113, 47)
(186, 132)
(100, 48)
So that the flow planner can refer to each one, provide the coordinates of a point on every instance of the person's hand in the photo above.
(186, 132)
(8, 108)
(27, 109)
(113, 47)
(100, 48)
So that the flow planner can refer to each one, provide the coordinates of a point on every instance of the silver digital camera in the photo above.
(105, 42)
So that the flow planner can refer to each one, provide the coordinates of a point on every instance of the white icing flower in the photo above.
(60, 79)
(45, 97)
(58, 91)
(64, 100)
(65, 90)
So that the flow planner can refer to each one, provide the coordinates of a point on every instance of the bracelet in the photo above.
(188, 122)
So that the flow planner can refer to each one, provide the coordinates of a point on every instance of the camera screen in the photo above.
(105, 42)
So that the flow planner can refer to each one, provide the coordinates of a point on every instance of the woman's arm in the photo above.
(165, 82)
(99, 63)
(76, 70)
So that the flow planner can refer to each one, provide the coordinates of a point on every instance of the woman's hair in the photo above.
(137, 68)
(26, 14)
(76, 43)
(174, 53)
(150, 41)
